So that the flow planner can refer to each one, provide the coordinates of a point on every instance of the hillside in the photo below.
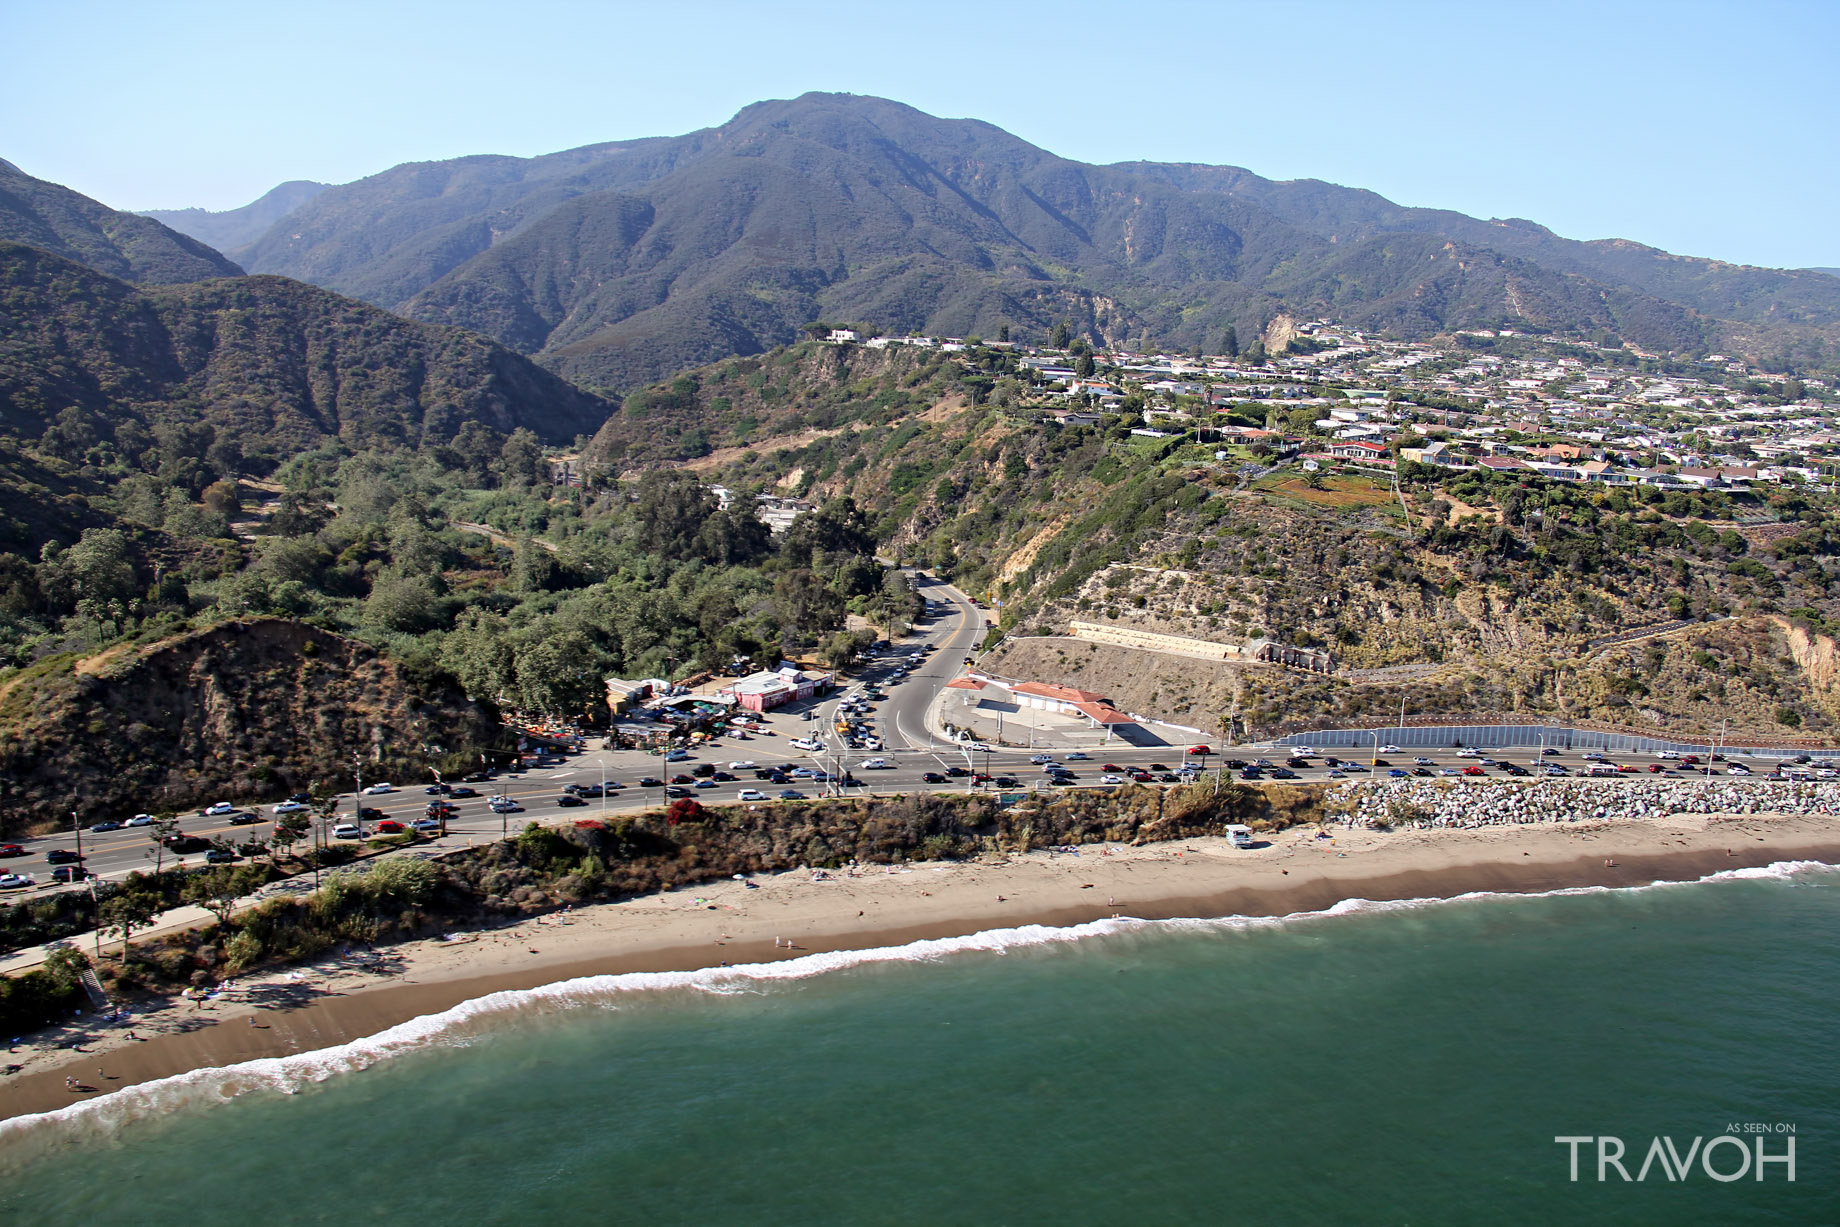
(231, 229)
(251, 708)
(124, 245)
(617, 264)
(1491, 596)
(270, 364)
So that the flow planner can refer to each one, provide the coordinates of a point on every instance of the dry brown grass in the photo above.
(1336, 492)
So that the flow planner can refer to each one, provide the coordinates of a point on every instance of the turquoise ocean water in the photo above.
(1378, 1064)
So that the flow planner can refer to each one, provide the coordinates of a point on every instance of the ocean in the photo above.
(1378, 1063)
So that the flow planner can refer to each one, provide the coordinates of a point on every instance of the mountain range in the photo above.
(123, 245)
(617, 263)
(233, 229)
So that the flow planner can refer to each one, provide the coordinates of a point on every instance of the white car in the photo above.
(1042, 758)
(16, 881)
(1422, 761)
(348, 830)
(976, 747)
(287, 807)
(141, 820)
(743, 765)
(1302, 752)
(220, 807)
(1111, 779)
(875, 764)
(1389, 749)
(1467, 752)
(1667, 755)
(807, 743)
(750, 794)
(377, 790)
(1737, 769)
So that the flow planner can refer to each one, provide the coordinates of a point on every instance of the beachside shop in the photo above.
(772, 687)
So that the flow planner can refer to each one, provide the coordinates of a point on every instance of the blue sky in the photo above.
(1707, 129)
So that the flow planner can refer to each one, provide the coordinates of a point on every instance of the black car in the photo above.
(71, 873)
(367, 814)
(62, 856)
(1236, 764)
(1169, 777)
(221, 856)
(933, 777)
(723, 777)
(1251, 773)
(676, 792)
(244, 818)
(437, 790)
(1156, 767)
(764, 773)
(956, 771)
(1283, 773)
(791, 794)
(463, 792)
(1552, 753)
(778, 777)
(302, 798)
(703, 770)
(571, 788)
(1421, 771)
(591, 791)
(651, 781)
(569, 798)
(1007, 781)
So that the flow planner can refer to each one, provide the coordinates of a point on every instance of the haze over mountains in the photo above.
(617, 263)
(233, 229)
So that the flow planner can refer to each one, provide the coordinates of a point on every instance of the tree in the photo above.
(1003, 332)
(1084, 366)
(806, 603)
(521, 458)
(1229, 343)
(479, 652)
(1062, 334)
(672, 507)
(219, 889)
(130, 910)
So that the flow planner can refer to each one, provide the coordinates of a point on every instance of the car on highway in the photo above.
(957, 772)
(105, 826)
(742, 764)
(1285, 773)
(1737, 769)
(681, 778)
(1656, 767)
(221, 856)
(876, 764)
(11, 850)
(705, 784)
(1667, 755)
(426, 826)
(650, 781)
(218, 807)
(141, 820)
(1007, 781)
(1042, 758)
(1111, 779)
(1421, 771)
(1078, 756)
(1472, 769)
(675, 792)
(791, 794)
(976, 747)
(1422, 761)
(750, 794)
(348, 830)
(389, 826)
(243, 818)
(1110, 767)
(1389, 749)
(378, 790)
(437, 790)
(16, 881)
(676, 756)
(933, 777)
(62, 856)
(464, 792)
(286, 807)
(1451, 771)
(1199, 750)
(505, 805)
(569, 799)
(71, 873)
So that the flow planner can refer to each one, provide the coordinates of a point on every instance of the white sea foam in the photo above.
(459, 1024)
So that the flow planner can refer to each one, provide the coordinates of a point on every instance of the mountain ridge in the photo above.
(228, 230)
(125, 245)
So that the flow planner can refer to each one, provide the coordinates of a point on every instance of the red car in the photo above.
(1200, 750)
(11, 850)
(1142, 777)
(1474, 770)
(389, 826)
(1656, 767)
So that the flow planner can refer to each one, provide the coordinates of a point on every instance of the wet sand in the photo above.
(793, 914)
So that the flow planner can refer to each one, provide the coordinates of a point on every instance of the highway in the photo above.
(911, 752)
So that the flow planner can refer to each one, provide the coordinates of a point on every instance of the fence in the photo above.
(1492, 736)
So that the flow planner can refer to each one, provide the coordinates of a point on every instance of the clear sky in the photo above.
(1706, 129)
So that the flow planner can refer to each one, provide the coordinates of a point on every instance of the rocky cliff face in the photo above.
(245, 711)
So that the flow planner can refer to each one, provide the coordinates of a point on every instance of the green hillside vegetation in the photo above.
(125, 245)
(619, 264)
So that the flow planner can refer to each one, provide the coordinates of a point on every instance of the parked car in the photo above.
(378, 790)
(676, 756)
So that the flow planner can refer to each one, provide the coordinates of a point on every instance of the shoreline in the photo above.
(335, 1000)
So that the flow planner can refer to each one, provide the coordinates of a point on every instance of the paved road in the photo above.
(899, 720)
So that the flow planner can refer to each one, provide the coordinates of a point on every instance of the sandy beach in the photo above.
(797, 913)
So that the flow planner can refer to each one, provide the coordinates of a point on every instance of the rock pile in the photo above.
(1494, 802)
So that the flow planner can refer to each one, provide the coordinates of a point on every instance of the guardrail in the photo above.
(1563, 737)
